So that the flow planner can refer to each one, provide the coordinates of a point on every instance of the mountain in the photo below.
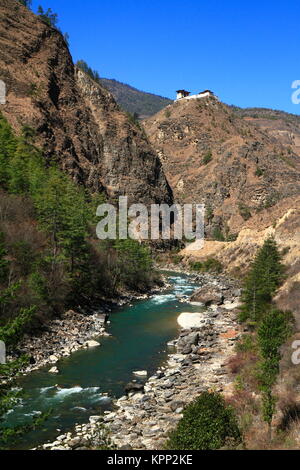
(212, 155)
(135, 101)
(77, 121)
(244, 171)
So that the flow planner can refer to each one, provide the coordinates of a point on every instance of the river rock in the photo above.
(92, 344)
(140, 373)
(132, 387)
(53, 359)
(54, 370)
(175, 405)
(208, 295)
(75, 442)
(95, 419)
(185, 343)
(189, 320)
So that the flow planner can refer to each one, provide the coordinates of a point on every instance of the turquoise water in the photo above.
(139, 336)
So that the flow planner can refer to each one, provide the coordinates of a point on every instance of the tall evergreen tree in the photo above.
(3, 260)
(272, 333)
(262, 282)
(8, 145)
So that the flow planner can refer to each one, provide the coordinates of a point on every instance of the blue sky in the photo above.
(247, 52)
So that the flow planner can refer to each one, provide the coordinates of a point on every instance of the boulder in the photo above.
(132, 387)
(53, 358)
(95, 419)
(176, 405)
(54, 370)
(140, 373)
(75, 443)
(185, 343)
(190, 320)
(208, 295)
(92, 344)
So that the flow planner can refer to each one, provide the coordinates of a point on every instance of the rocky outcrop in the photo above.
(76, 120)
(128, 164)
(208, 295)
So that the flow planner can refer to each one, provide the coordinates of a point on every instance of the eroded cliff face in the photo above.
(128, 163)
(76, 120)
(212, 156)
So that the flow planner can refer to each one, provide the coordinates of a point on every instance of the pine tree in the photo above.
(3, 260)
(262, 282)
(48, 16)
(8, 145)
(273, 331)
(73, 236)
(25, 165)
(134, 264)
(49, 204)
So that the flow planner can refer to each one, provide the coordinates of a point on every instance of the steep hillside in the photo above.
(284, 126)
(245, 173)
(281, 222)
(135, 101)
(100, 148)
(211, 155)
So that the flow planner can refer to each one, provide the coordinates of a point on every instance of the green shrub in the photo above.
(259, 172)
(246, 344)
(211, 265)
(207, 424)
(245, 212)
(232, 237)
(176, 259)
(271, 200)
(218, 235)
(207, 158)
(209, 214)
(196, 265)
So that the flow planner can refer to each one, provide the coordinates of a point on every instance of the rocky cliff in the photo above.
(76, 120)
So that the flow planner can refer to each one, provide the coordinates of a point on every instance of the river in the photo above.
(89, 379)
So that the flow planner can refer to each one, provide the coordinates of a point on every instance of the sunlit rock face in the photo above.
(77, 121)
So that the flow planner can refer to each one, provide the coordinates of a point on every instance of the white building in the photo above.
(182, 94)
